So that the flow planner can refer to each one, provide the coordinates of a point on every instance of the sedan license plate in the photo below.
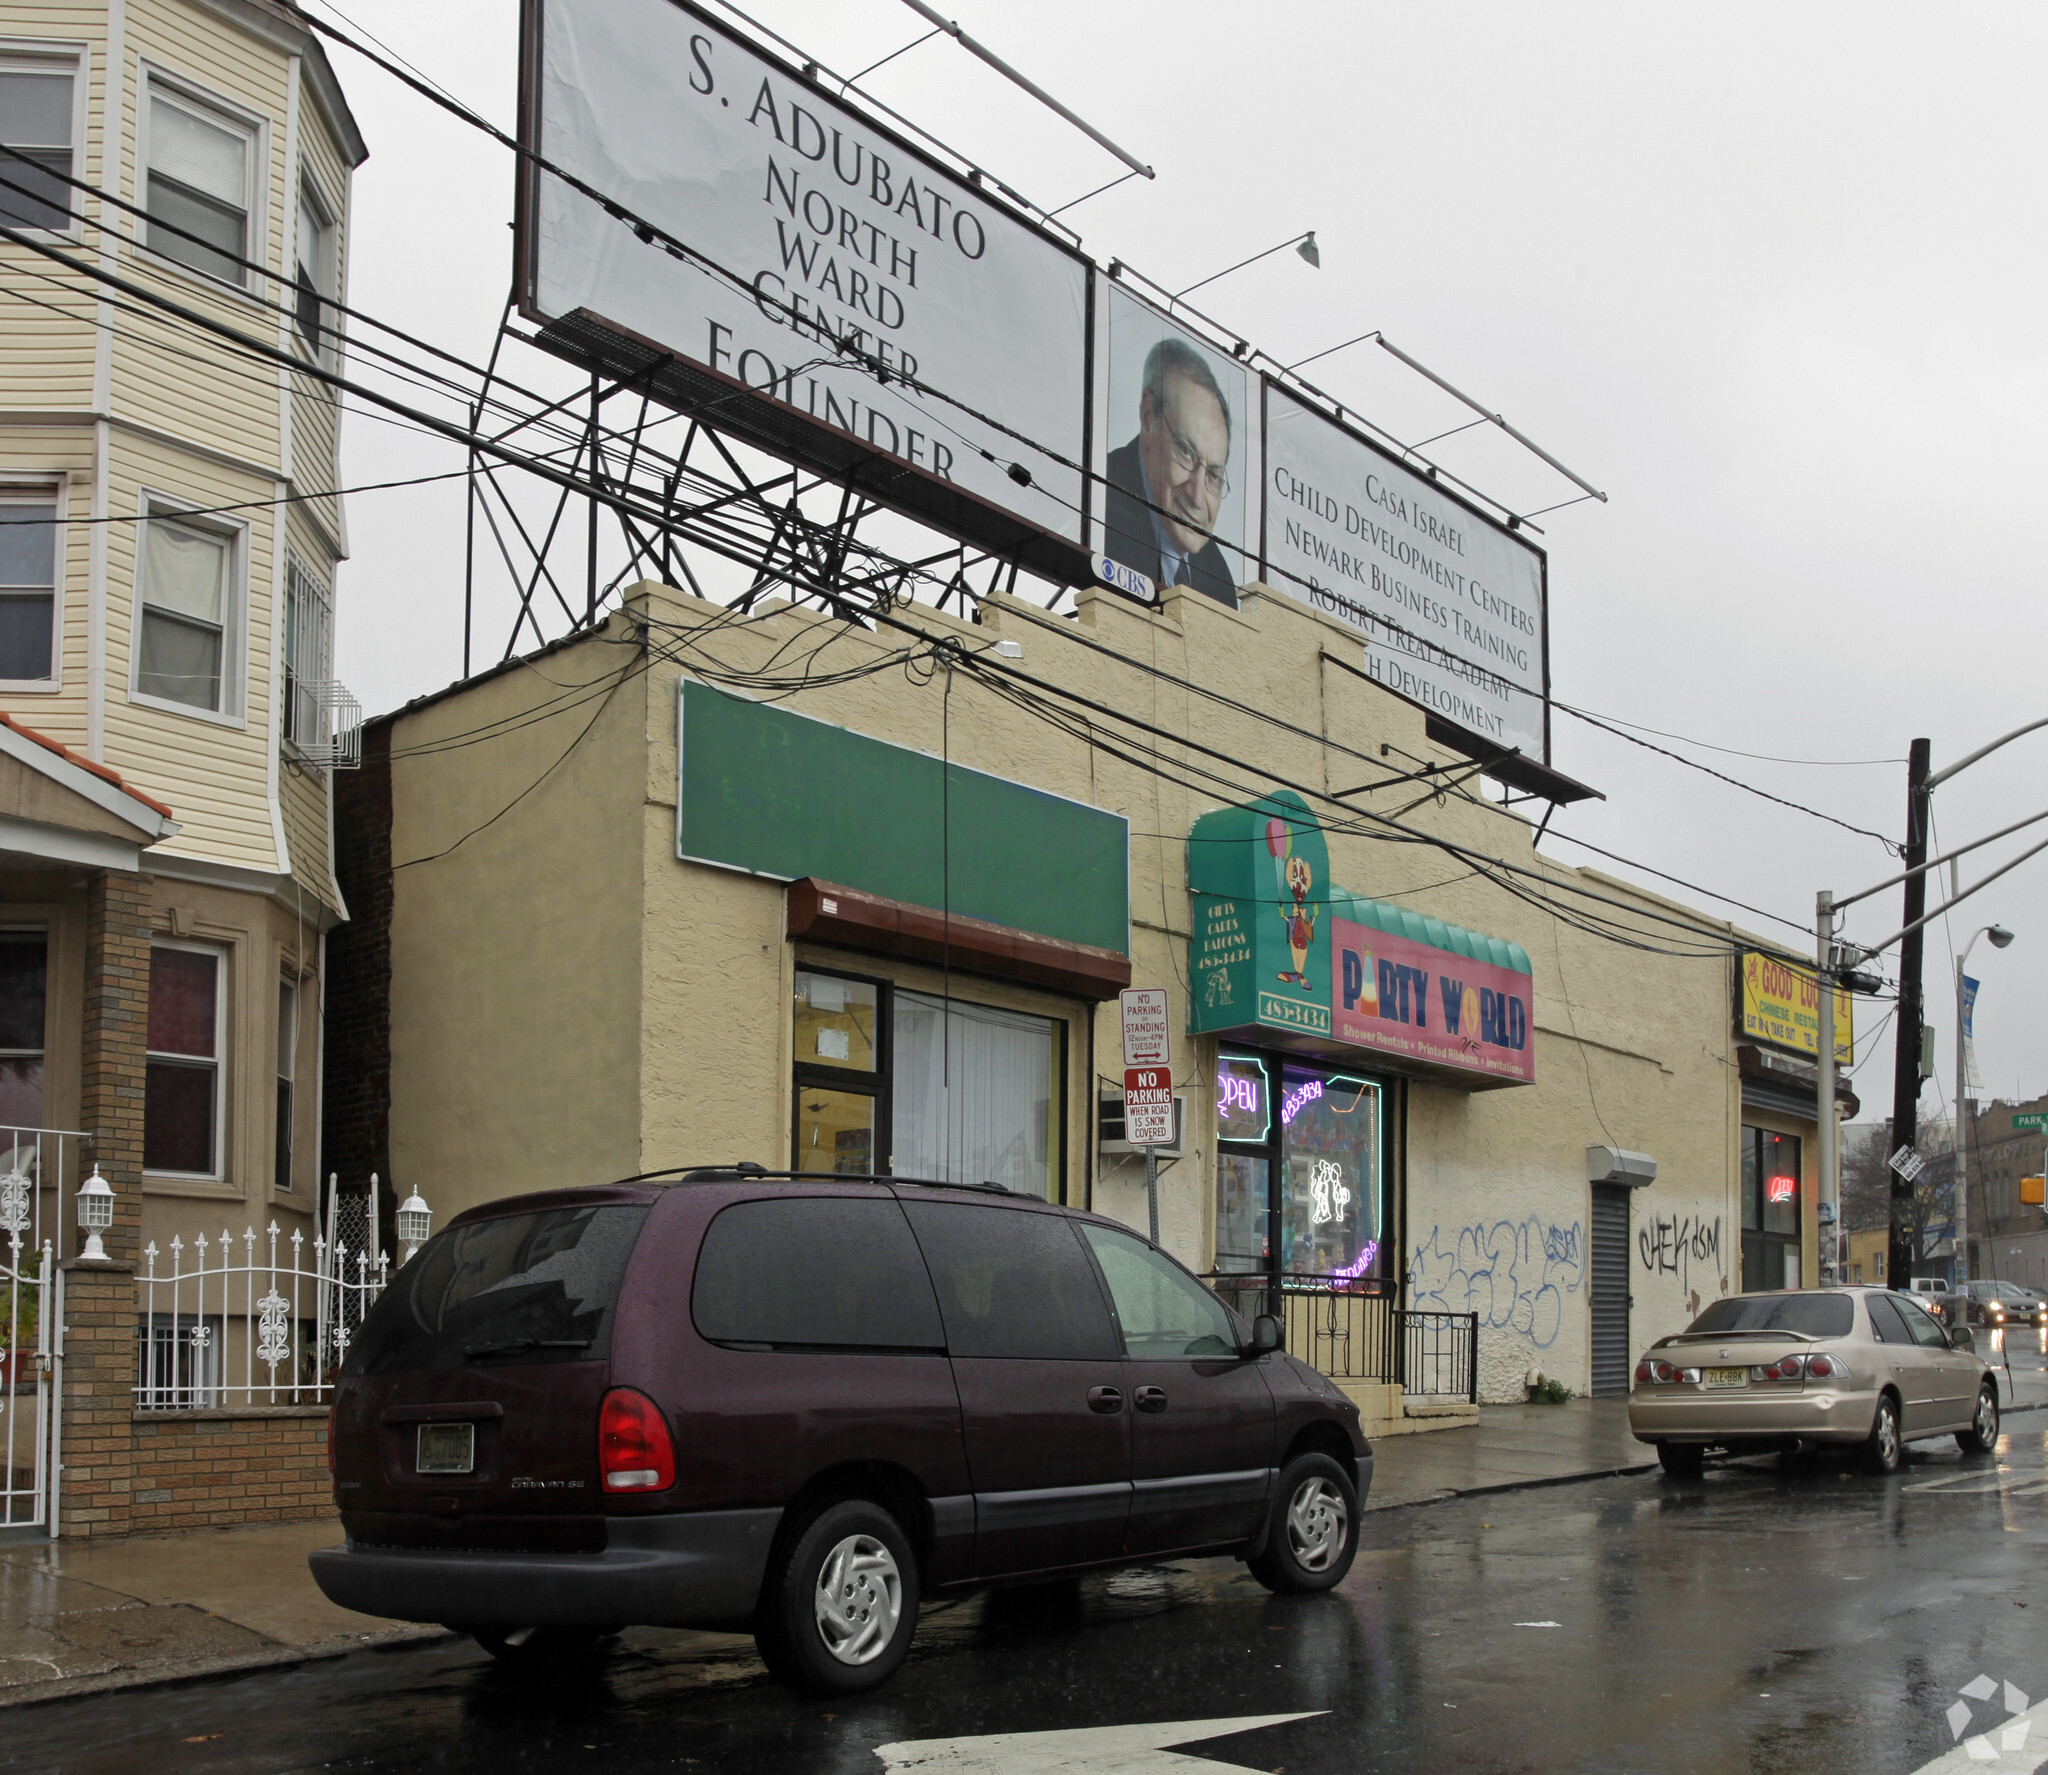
(447, 1448)
(1725, 1377)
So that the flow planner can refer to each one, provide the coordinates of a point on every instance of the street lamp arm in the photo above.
(1879, 948)
(1945, 857)
(1941, 776)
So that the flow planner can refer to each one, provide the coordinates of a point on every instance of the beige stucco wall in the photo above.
(515, 940)
(671, 981)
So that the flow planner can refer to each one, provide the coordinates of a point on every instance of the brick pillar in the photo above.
(98, 1451)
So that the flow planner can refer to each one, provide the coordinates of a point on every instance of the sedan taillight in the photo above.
(1827, 1368)
(1653, 1373)
(634, 1451)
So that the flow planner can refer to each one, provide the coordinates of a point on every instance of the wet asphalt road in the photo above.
(1764, 1619)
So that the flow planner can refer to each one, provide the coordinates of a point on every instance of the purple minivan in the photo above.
(796, 1405)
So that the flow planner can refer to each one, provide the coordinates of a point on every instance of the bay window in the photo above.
(198, 186)
(186, 598)
(38, 111)
(28, 585)
(183, 1087)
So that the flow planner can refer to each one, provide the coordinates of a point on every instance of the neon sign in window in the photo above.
(1299, 1099)
(1241, 1099)
(1780, 1189)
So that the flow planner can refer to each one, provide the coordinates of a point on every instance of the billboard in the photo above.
(1413, 1000)
(963, 400)
(1452, 605)
(1781, 1005)
(1175, 443)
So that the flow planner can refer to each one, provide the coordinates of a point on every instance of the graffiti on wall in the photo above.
(1513, 1274)
(1676, 1244)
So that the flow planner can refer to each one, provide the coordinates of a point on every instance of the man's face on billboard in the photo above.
(1184, 441)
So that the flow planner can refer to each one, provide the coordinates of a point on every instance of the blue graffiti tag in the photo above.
(1513, 1274)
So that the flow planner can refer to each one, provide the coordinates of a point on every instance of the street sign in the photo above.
(1147, 1038)
(1148, 1105)
(2032, 1118)
(1907, 1163)
(2034, 1191)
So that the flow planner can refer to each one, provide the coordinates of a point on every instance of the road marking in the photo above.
(1098, 1750)
(2006, 1744)
(1967, 1484)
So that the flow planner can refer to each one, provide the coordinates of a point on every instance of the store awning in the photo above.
(1282, 956)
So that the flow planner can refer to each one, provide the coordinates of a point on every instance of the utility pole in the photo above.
(1908, 1023)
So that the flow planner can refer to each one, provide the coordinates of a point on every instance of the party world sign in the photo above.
(1411, 999)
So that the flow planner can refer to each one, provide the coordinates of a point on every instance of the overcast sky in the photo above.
(1768, 276)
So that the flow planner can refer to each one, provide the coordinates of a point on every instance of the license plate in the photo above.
(447, 1448)
(1725, 1377)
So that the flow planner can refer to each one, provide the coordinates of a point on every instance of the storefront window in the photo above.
(1302, 1147)
(893, 1082)
(1770, 1210)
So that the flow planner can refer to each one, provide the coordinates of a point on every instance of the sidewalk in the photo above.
(80, 1616)
(1511, 1446)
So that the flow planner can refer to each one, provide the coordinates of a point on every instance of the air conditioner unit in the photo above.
(1110, 1130)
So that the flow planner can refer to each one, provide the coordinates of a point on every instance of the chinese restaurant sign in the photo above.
(1412, 999)
(1781, 1005)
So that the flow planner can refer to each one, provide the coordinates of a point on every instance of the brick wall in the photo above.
(213, 1469)
(355, 1136)
(112, 1043)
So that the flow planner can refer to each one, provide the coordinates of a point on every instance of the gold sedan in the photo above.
(1804, 1367)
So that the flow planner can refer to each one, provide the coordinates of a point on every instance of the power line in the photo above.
(1733, 752)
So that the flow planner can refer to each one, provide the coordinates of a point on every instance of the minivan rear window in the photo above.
(1816, 1315)
(814, 1272)
(517, 1288)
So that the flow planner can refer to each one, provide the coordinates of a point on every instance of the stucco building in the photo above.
(657, 897)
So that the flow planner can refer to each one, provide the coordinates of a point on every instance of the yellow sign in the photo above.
(2034, 1190)
(1781, 1005)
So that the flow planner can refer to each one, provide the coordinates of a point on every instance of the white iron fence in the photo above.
(248, 1321)
(38, 1180)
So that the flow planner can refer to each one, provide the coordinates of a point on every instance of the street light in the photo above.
(1304, 244)
(1959, 1214)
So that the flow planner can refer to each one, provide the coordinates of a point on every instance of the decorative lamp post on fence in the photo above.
(95, 1215)
(415, 1221)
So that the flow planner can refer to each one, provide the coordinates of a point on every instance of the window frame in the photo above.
(233, 710)
(296, 575)
(21, 55)
(1384, 1275)
(879, 1083)
(222, 955)
(290, 1024)
(327, 218)
(25, 489)
(223, 113)
(1749, 1173)
(42, 1053)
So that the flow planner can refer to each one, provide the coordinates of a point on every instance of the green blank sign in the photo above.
(780, 794)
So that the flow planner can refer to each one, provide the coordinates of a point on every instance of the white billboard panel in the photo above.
(1451, 604)
(834, 230)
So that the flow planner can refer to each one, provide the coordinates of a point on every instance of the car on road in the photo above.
(1934, 1293)
(796, 1405)
(1998, 1304)
(1811, 1367)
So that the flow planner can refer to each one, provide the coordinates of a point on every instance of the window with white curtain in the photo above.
(184, 624)
(198, 191)
(38, 112)
(975, 1094)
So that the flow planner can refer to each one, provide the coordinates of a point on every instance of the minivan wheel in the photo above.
(1982, 1435)
(1884, 1451)
(1313, 1531)
(554, 1646)
(840, 1603)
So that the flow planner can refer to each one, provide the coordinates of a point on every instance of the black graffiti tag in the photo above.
(1670, 1247)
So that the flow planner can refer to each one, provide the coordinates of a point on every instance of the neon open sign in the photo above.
(1780, 1189)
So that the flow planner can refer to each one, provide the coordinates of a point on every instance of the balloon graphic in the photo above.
(1279, 840)
(1468, 1012)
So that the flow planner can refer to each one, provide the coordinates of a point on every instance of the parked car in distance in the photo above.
(1806, 1367)
(1996, 1304)
(1933, 1293)
(795, 1405)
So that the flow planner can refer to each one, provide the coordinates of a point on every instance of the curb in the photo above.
(66, 1688)
(1507, 1485)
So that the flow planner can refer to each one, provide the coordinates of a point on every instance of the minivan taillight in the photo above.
(633, 1447)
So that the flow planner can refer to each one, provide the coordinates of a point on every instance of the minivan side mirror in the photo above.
(1267, 1335)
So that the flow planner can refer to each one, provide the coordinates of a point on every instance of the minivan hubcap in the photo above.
(860, 1599)
(1316, 1521)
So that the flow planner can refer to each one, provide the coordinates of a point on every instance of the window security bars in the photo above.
(215, 1333)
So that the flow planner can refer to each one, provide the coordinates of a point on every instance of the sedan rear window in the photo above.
(517, 1288)
(1815, 1315)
